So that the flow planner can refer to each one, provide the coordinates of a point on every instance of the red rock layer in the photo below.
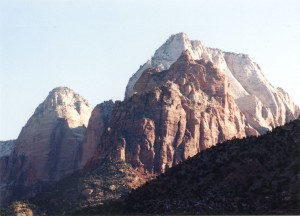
(48, 146)
(97, 124)
(173, 115)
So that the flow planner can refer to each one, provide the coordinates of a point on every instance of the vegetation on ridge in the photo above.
(255, 175)
(108, 181)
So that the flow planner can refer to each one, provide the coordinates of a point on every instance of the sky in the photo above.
(94, 46)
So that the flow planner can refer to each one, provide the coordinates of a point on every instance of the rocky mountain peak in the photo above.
(175, 114)
(171, 50)
(63, 102)
(62, 96)
(273, 106)
(48, 147)
(185, 58)
(180, 38)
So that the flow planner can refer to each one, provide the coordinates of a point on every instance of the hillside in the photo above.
(106, 180)
(183, 101)
(241, 176)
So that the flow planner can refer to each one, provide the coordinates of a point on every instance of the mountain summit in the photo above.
(174, 115)
(263, 105)
(48, 146)
(184, 100)
(64, 103)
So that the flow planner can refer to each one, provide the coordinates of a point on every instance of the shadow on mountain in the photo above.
(19, 179)
(255, 175)
(106, 180)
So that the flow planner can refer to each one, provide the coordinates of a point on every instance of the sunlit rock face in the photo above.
(48, 146)
(175, 114)
(248, 83)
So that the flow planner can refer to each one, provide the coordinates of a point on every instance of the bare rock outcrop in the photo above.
(251, 106)
(48, 146)
(97, 124)
(7, 147)
(248, 83)
(175, 114)
(255, 176)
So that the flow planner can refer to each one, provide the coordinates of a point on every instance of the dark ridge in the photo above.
(108, 180)
(255, 175)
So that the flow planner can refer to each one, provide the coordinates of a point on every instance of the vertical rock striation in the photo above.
(175, 114)
(48, 146)
(97, 124)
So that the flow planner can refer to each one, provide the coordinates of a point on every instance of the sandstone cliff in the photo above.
(97, 124)
(7, 147)
(48, 146)
(270, 106)
(175, 114)
(251, 176)
(185, 99)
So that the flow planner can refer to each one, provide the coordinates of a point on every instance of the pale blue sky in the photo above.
(94, 47)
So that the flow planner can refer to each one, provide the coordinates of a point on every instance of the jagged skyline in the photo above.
(94, 47)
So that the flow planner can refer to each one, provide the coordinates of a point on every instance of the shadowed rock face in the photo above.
(176, 114)
(97, 124)
(7, 147)
(48, 146)
(250, 176)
